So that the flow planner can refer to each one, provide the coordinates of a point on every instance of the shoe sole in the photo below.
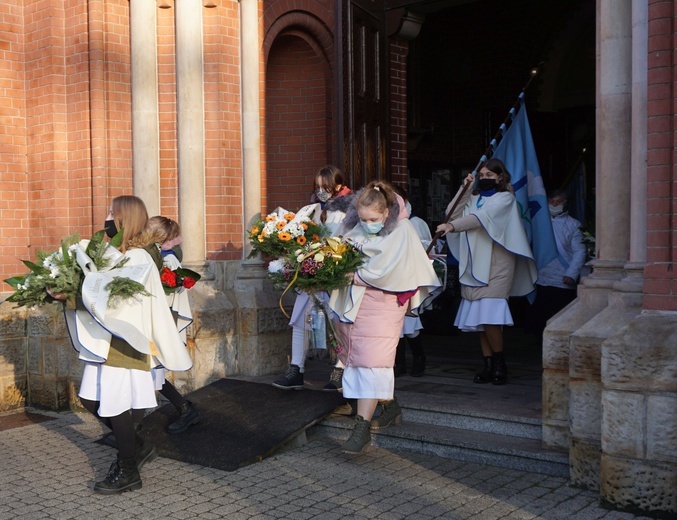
(332, 389)
(282, 387)
(365, 449)
(106, 491)
(397, 420)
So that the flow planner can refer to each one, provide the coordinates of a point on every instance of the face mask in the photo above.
(322, 195)
(109, 227)
(372, 228)
(407, 206)
(487, 184)
(555, 210)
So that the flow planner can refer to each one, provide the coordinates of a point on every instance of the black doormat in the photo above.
(240, 422)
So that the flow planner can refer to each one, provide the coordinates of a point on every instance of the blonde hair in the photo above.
(164, 227)
(378, 195)
(130, 215)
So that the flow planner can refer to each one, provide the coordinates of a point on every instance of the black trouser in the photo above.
(549, 301)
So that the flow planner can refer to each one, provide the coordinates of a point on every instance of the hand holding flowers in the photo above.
(173, 281)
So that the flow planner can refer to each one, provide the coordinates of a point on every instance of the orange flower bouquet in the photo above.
(282, 232)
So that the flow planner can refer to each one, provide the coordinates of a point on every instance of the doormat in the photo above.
(240, 422)
(17, 420)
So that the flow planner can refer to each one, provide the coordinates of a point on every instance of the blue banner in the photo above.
(516, 150)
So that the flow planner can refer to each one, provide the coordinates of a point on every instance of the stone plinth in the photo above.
(639, 421)
(556, 339)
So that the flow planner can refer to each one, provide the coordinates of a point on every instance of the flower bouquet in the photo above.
(177, 279)
(281, 232)
(59, 275)
(322, 265)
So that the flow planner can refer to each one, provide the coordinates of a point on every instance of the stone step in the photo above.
(459, 414)
(494, 449)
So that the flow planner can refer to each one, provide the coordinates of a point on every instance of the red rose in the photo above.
(188, 282)
(168, 277)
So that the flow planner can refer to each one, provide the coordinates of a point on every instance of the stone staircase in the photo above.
(432, 425)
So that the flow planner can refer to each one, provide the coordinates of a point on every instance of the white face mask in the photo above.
(555, 210)
(407, 206)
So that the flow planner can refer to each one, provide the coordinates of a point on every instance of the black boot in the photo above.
(293, 379)
(189, 416)
(400, 359)
(144, 450)
(500, 374)
(488, 373)
(122, 476)
(416, 345)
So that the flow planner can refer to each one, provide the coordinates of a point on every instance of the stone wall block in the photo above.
(585, 409)
(35, 357)
(56, 355)
(643, 356)
(46, 321)
(12, 393)
(13, 322)
(13, 357)
(661, 420)
(272, 321)
(49, 393)
(555, 396)
(556, 350)
(584, 463)
(213, 313)
(209, 363)
(638, 485)
(623, 424)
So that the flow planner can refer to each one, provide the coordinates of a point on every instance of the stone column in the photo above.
(145, 119)
(251, 113)
(614, 183)
(191, 123)
(263, 330)
(639, 392)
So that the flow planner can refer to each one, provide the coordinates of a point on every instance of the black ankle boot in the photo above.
(189, 416)
(500, 374)
(122, 476)
(487, 374)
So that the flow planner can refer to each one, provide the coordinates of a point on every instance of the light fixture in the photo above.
(208, 3)
(164, 4)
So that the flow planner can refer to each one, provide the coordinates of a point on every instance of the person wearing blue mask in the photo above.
(487, 238)
(395, 279)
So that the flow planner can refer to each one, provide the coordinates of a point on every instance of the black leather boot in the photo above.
(122, 476)
(488, 373)
(500, 375)
(189, 416)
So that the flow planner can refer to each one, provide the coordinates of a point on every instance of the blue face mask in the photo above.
(372, 228)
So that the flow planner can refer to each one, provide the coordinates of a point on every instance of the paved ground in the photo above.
(47, 470)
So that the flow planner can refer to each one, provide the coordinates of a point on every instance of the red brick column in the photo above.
(660, 286)
(398, 112)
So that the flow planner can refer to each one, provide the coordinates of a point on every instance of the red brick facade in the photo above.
(660, 287)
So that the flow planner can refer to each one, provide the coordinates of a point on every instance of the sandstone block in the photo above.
(585, 410)
(638, 484)
(623, 426)
(13, 357)
(661, 420)
(584, 461)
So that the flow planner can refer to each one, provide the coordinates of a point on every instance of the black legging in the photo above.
(122, 426)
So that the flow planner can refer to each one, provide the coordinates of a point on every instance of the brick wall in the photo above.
(660, 285)
(398, 112)
(13, 197)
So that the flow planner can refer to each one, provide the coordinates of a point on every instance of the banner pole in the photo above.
(487, 153)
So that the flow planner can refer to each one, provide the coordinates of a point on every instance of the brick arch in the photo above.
(298, 128)
(305, 25)
(299, 107)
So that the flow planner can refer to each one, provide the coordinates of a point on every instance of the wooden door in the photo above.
(365, 127)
